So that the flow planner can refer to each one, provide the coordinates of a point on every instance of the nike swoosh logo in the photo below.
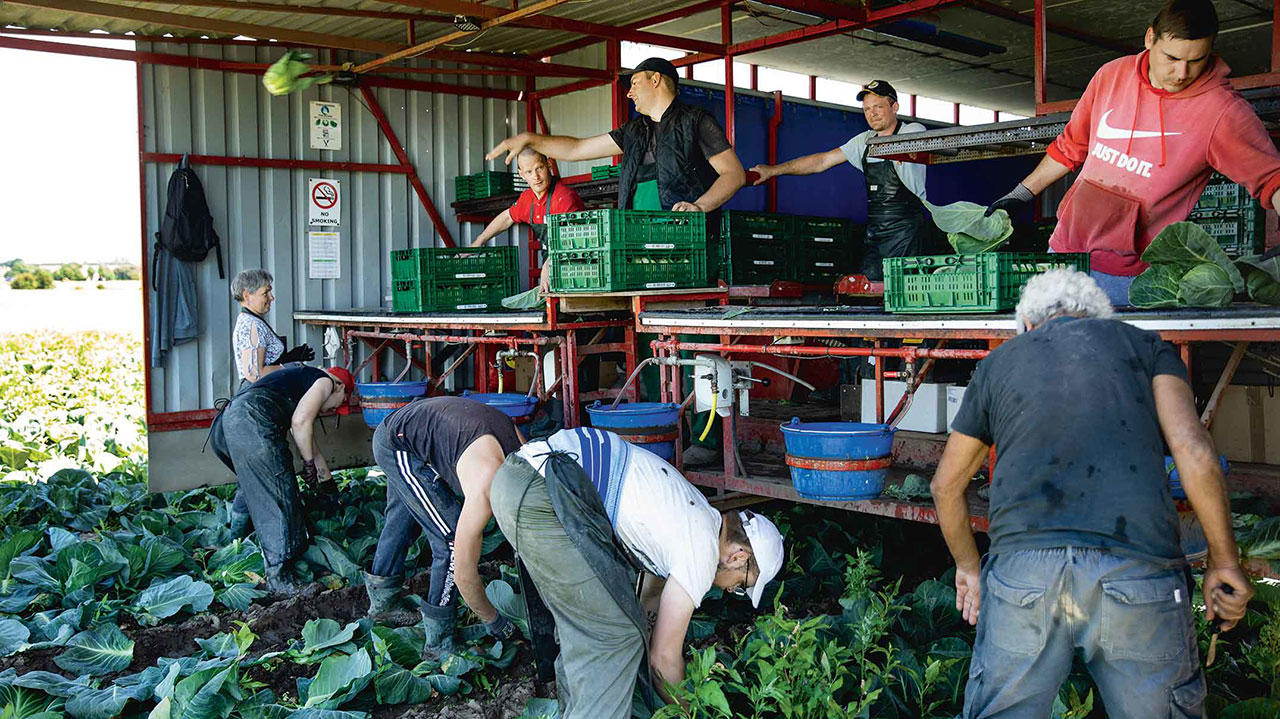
(1107, 132)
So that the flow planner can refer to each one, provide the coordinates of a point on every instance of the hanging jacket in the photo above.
(186, 230)
(1145, 155)
(684, 173)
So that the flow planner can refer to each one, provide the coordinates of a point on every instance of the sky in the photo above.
(69, 168)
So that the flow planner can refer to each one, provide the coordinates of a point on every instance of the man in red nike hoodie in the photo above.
(1146, 135)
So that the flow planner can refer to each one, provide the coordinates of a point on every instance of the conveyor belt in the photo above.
(593, 192)
(852, 319)
(414, 319)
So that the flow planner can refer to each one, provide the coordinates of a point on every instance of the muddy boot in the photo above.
(386, 605)
(239, 524)
(438, 623)
(280, 584)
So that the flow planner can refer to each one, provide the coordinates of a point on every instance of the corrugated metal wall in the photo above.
(584, 113)
(260, 214)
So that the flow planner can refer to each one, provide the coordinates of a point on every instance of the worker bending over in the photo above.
(439, 455)
(588, 513)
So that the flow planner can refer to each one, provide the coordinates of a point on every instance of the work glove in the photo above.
(309, 473)
(500, 628)
(301, 353)
(1011, 202)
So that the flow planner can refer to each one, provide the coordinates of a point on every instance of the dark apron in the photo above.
(898, 225)
(539, 229)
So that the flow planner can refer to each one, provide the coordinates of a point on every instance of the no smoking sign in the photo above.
(324, 202)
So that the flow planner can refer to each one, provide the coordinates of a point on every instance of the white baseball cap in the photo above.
(766, 549)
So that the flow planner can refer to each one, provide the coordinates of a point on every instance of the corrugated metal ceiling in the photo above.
(1002, 80)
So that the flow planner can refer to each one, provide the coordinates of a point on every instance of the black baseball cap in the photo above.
(878, 87)
(653, 64)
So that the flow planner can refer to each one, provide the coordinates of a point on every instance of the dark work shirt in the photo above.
(711, 138)
(1071, 410)
(438, 430)
(290, 382)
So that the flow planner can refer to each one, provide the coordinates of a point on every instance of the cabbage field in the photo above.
(116, 602)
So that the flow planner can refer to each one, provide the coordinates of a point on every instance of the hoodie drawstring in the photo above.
(1133, 126)
(1160, 112)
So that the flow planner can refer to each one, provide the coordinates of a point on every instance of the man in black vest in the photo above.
(674, 156)
(898, 225)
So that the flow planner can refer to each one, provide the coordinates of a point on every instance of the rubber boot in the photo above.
(239, 524)
(386, 605)
(438, 623)
(280, 584)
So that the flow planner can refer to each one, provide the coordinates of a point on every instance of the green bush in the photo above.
(127, 273)
(37, 280)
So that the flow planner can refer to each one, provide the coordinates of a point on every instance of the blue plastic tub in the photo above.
(513, 404)
(638, 422)
(837, 441)
(1175, 483)
(379, 399)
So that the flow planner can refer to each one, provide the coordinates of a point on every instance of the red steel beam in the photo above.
(726, 37)
(1040, 59)
(775, 122)
(684, 12)
(823, 9)
(275, 163)
(371, 100)
(202, 63)
(146, 247)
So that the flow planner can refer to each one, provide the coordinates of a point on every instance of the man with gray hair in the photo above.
(1084, 534)
(546, 196)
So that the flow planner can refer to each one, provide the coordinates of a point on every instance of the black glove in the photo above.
(309, 474)
(1011, 202)
(301, 353)
(500, 628)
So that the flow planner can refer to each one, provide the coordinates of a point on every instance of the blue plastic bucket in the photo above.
(1175, 482)
(379, 399)
(652, 425)
(515, 405)
(812, 447)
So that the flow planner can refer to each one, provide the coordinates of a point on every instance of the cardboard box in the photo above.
(1246, 417)
(955, 397)
(928, 412)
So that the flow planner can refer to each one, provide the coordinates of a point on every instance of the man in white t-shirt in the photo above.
(898, 225)
(587, 512)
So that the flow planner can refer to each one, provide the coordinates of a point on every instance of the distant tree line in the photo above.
(22, 276)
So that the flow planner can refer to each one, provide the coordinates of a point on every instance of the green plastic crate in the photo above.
(605, 172)
(627, 229)
(758, 262)
(1223, 194)
(1238, 232)
(425, 295)
(741, 225)
(986, 282)
(835, 230)
(822, 270)
(616, 270)
(454, 263)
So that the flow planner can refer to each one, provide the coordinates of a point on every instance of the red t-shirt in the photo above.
(530, 209)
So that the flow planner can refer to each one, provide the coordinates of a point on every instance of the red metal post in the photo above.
(955, 113)
(688, 72)
(371, 101)
(755, 76)
(146, 247)
(775, 122)
(613, 60)
(530, 89)
(911, 105)
(1040, 59)
(726, 37)
(879, 383)
(813, 87)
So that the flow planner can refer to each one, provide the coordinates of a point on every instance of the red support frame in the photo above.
(726, 37)
(371, 100)
(775, 122)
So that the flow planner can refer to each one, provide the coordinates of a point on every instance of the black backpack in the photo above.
(186, 231)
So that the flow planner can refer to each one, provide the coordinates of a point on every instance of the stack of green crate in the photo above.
(755, 248)
(605, 172)
(826, 248)
(1231, 216)
(449, 278)
(986, 282)
(487, 184)
(617, 250)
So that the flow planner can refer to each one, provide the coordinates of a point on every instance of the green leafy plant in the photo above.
(1188, 269)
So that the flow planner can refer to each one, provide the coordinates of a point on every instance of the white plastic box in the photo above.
(928, 412)
(955, 397)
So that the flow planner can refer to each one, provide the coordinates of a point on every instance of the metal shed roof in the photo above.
(1090, 32)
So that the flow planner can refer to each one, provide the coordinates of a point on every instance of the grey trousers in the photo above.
(600, 648)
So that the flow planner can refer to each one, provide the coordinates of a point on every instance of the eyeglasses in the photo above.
(741, 589)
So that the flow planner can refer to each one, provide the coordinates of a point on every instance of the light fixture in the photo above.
(465, 23)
